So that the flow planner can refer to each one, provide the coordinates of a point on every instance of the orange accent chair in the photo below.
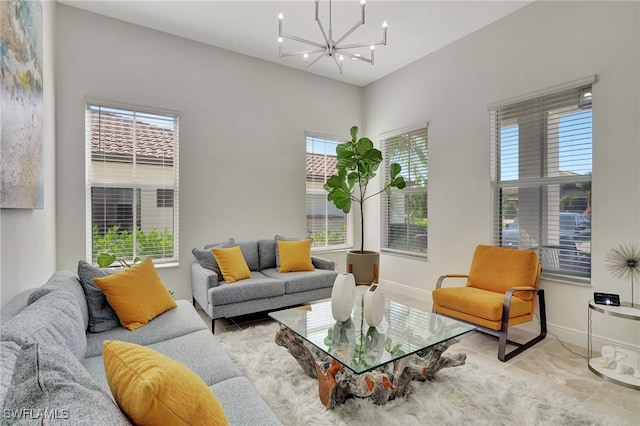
(501, 292)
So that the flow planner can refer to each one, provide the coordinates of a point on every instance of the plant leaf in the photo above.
(364, 146)
(394, 170)
(105, 259)
(354, 133)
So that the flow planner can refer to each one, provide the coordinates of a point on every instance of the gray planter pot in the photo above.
(364, 266)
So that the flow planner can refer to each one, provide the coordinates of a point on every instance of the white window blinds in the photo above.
(542, 170)
(328, 226)
(131, 183)
(404, 211)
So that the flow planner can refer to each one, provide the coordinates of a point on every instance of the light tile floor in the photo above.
(562, 368)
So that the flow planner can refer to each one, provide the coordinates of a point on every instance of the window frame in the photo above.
(150, 189)
(324, 138)
(421, 130)
(555, 104)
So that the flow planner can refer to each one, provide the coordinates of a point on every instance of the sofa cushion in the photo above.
(257, 287)
(295, 282)
(54, 319)
(267, 253)
(205, 256)
(295, 255)
(136, 294)
(154, 389)
(63, 280)
(250, 410)
(200, 351)
(8, 355)
(102, 317)
(49, 381)
(232, 264)
(174, 323)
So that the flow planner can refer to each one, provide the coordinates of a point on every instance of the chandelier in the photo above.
(330, 47)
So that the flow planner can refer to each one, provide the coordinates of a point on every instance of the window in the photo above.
(541, 167)
(404, 211)
(131, 183)
(328, 226)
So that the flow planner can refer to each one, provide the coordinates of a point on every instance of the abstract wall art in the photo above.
(21, 104)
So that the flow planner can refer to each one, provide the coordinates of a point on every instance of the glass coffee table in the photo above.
(351, 359)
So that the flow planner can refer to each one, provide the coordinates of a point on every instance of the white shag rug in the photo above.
(465, 395)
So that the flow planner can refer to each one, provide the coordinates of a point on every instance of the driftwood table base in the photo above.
(336, 383)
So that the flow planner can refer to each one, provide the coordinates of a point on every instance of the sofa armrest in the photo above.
(322, 263)
(202, 279)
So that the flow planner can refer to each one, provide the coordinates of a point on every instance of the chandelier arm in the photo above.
(302, 52)
(348, 33)
(357, 58)
(302, 40)
(338, 63)
(355, 46)
(313, 62)
(324, 34)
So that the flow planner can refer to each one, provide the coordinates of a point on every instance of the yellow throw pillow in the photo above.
(232, 263)
(153, 389)
(136, 294)
(295, 255)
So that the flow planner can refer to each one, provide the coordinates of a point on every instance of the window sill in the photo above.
(167, 265)
(408, 254)
(560, 279)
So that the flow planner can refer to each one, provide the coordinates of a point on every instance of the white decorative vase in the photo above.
(374, 306)
(343, 296)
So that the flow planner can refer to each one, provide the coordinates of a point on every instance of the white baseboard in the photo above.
(565, 334)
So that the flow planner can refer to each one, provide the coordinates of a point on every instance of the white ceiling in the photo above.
(416, 28)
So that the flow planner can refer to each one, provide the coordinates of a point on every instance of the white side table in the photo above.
(596, 365)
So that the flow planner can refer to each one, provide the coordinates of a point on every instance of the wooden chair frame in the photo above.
(502, 334)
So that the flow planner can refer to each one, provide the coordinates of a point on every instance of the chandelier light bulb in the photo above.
(279, 39)
(363, 2)
(384, 23)
(341, 58)
(280, 17)
(372, 47)
(306, 56)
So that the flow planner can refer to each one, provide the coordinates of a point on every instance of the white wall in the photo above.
(27, 237)
(539, 46)
(242, 130)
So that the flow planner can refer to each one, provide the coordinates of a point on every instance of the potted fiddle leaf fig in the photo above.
(358, 161)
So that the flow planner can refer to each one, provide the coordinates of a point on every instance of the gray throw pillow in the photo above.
(8, 354)
(49, 384)
(205, 256)
(102, 317)
(54, 319)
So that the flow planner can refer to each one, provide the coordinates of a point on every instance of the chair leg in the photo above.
(502, 335)
(213, 326)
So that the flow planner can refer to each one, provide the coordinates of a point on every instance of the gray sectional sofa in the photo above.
(267, 289)
(44, 330)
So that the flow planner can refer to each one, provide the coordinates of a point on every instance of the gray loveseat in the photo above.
(267, 289)
(44, 330)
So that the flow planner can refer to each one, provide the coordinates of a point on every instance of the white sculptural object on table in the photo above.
(620, 360)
